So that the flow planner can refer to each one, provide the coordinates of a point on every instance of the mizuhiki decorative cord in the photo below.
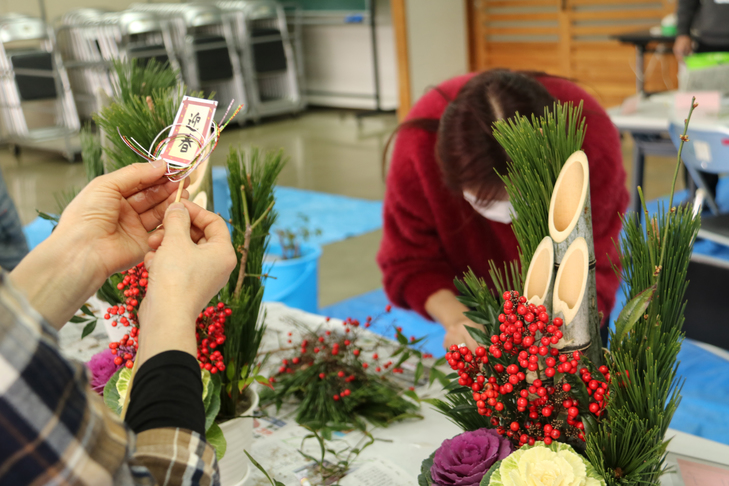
(178, 170)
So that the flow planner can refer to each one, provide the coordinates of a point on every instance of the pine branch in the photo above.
(537, 149)
(257, 172)
(645, 388)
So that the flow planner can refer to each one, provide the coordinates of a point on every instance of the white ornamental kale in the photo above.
(556, 464)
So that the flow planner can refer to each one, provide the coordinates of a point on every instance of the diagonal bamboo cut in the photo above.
(540, 276)
(570, 227)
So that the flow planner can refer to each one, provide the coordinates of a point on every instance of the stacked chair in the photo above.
(36, 104)
(204, 42)
(242, 50)
(89, 39)
(266, 49)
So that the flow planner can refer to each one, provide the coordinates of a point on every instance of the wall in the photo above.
(437, 42)
(338, 61)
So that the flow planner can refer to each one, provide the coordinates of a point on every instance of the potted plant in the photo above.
(293, 265)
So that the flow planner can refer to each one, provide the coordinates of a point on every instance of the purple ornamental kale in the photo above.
(102, 368)
(466, 458)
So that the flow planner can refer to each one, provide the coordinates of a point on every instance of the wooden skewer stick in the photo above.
(180, 188)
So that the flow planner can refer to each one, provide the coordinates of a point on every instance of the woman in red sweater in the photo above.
(445, 208)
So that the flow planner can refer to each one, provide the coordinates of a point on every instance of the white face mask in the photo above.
(498, 211)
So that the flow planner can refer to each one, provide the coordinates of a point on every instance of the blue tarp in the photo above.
(337, 217)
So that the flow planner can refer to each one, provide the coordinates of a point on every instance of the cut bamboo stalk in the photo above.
(570, 214)
(574, 289)
(538, 287)
(570, 218)
(540, 276)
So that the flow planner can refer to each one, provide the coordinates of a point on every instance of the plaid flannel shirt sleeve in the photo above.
(55, 429)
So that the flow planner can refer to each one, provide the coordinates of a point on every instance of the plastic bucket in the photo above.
(296, 281)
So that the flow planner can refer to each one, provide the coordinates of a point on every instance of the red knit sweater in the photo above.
(432, 235)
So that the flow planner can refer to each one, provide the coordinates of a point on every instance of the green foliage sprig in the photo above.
(146, 100)
(290, 238)
(537, 149)
(339, 381)
(629, 448)
(340, 451)
(251, 178)
(91, 153)
(132, 80)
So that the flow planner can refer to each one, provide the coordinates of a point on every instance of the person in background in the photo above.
(13, 246)
(711, 19)
(446, 210)
(55, 429)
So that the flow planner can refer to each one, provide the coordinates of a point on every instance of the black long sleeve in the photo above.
(167, 392)
(685, 13)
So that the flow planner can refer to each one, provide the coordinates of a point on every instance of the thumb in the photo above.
(177, 222)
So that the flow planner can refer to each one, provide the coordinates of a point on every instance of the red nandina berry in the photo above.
(548, 429)
(547, 440)
(514, 426)
(118, 361)
(594, 407)
(365, 365)
(336, 397)
(129, 364)
(566, 387)
(573, 412)
(555, 434)
(388, 308)
(480, 351)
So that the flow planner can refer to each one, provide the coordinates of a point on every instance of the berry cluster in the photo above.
(125, 349)
(339, 359)
(516, 383)
(134, 287)
(210, 333)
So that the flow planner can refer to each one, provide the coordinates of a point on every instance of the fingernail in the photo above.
(158, 163)
(176, 207)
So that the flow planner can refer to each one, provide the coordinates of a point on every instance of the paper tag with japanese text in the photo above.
(192, 122)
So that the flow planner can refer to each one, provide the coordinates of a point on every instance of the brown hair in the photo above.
(466, 151)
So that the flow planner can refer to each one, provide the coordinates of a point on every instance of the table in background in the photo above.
(396, 457)
(642, 40)
(648, 126)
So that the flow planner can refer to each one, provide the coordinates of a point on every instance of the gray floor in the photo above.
(330, 151)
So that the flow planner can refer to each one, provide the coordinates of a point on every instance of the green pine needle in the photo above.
(537, 149)
(252, 176)
(629, 447)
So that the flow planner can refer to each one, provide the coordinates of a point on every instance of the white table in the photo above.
(648, 125)
(396, 457)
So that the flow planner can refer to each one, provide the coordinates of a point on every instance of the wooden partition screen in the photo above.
(571, 38)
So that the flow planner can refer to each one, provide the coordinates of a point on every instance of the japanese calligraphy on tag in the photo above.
(191, 129)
